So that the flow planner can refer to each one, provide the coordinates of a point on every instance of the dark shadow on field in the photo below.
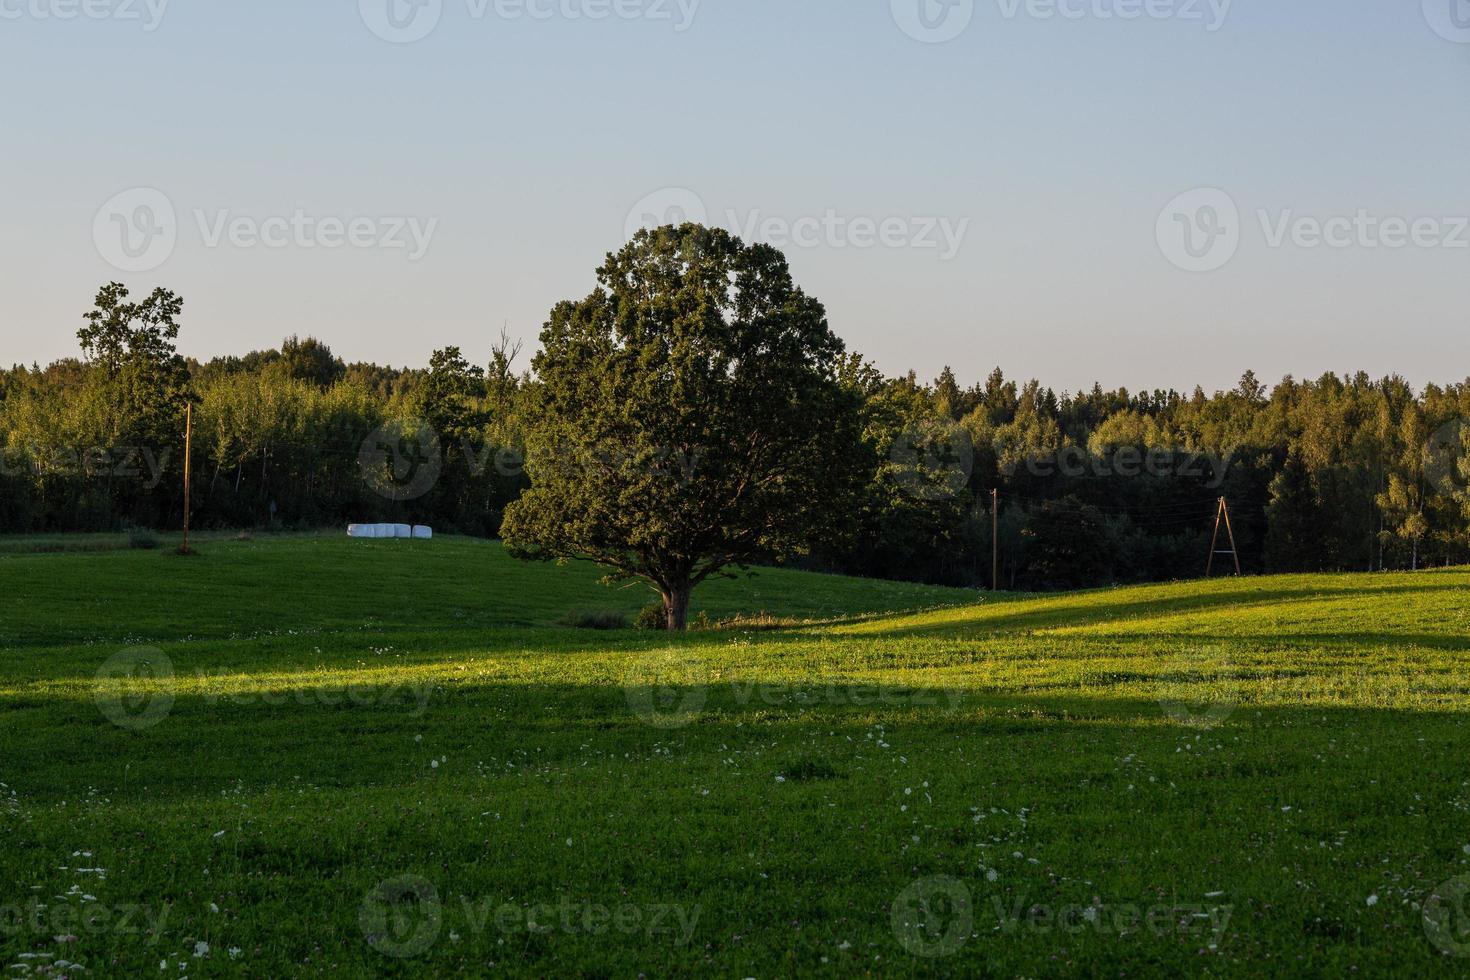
(322, 585)
(324, 737)
(1091, 608)
(495, 634)
(331, 800)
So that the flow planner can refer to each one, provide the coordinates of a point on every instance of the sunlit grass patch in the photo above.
(260, 746)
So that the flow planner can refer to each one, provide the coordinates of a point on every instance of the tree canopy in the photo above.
(689, 418)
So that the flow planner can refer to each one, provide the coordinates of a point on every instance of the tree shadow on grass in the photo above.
(302, 808)
(202, 744)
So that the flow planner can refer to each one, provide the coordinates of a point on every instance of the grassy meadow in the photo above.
(305, 755)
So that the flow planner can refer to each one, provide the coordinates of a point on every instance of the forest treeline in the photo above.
(1095, 487)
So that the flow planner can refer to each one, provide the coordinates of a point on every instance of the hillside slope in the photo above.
(368, 757)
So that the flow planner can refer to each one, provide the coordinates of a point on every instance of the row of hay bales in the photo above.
(390, 531)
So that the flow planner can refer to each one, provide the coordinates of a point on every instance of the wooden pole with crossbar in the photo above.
(1222, 516)
(1230, 532)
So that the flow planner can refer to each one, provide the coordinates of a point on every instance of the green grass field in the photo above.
(308, 755)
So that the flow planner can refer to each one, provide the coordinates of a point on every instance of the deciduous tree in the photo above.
(690, 418)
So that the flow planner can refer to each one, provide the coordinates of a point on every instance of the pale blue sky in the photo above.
(520, 145)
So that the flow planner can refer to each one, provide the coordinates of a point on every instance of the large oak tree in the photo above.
(690, 418)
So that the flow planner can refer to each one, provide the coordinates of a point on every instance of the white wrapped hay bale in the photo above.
(389, 531)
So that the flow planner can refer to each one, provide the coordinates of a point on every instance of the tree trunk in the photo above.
(676, 606)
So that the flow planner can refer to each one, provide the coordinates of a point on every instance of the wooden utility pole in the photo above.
(1235, 554)
(1222, 515)
(188, 454)
(995, 540)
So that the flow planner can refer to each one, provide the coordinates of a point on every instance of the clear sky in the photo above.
(1010, 195)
